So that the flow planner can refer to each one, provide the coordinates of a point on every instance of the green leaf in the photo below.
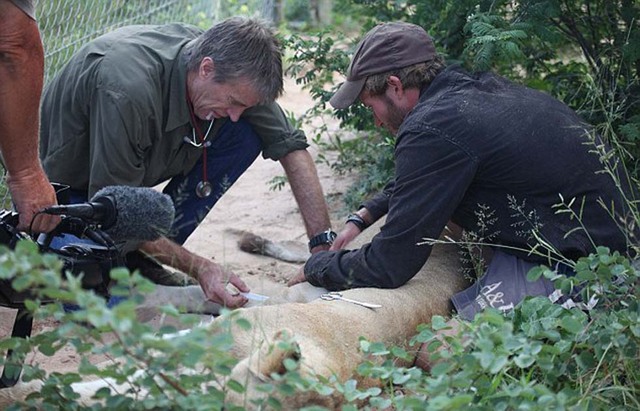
(572, 325)
(234, 385)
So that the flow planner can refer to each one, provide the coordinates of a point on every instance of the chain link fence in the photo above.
(66, 25)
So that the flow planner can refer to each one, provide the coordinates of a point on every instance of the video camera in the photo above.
(93, 260)
(88, 252)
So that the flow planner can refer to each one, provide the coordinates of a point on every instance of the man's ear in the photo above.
(207, 68)
(395, 89)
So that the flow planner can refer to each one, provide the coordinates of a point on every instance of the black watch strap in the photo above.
(325, 237)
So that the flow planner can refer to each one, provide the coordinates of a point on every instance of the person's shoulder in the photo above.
(152, 36)
(183, 30)
(132, 53)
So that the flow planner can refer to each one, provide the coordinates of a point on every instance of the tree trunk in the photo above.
(277, 14)
(324, 8)
(320, 12)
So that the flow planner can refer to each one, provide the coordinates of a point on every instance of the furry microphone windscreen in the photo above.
(143, 214)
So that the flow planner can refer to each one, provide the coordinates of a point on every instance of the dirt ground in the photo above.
(248, 205)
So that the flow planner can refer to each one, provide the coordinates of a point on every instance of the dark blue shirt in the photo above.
(495, 158)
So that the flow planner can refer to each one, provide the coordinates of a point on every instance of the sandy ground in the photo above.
(248, 205)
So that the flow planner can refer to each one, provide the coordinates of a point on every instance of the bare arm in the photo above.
(21, 71)
(303, 178)
(212, 277)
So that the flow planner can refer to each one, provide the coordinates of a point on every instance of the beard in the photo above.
(395, 116)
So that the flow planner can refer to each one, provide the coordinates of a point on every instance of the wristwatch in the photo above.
(325, 237)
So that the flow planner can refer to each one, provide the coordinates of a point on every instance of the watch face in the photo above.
(326, 237)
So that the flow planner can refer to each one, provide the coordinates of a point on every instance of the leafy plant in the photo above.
(541, 356)
(150, 370)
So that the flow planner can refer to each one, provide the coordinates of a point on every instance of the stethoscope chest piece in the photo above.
(204, 189)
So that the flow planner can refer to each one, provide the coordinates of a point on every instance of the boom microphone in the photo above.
(101, 210)
(125, 213)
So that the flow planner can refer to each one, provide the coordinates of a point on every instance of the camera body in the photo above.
(92, 259)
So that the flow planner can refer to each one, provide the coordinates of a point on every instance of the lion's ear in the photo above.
(272, 356)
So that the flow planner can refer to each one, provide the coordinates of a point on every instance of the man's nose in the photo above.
(234, 113)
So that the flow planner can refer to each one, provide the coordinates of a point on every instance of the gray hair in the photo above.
(241, 48)
(415, 76)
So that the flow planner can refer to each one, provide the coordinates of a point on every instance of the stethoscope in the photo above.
(204, 187)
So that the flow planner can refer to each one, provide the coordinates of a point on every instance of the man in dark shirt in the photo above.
(146, 104)
(471, 145)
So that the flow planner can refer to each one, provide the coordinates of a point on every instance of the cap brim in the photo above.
(347, 94)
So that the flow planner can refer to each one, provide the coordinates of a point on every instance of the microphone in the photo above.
(101, 210)
(124, 213)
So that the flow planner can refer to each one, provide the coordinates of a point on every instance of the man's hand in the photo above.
(348, 233)
(298, 278)
(214, 279)
(31, 192)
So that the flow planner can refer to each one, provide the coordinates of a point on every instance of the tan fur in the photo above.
(328, 332)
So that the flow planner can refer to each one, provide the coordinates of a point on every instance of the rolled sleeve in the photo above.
(279, 137)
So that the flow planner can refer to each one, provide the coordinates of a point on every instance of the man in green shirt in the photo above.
(143, 105)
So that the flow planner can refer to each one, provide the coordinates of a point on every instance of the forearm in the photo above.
(170, 253)
(303, 178)
(21, 71)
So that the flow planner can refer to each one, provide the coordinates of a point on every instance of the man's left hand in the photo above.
(298, 278)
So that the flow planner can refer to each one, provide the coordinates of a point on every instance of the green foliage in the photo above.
(494, 40)
(277, 183)
(539, 357)
(171, 371)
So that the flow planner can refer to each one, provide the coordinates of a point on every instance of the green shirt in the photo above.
(117, 113)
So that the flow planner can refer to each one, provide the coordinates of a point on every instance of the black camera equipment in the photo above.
(93, 260)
